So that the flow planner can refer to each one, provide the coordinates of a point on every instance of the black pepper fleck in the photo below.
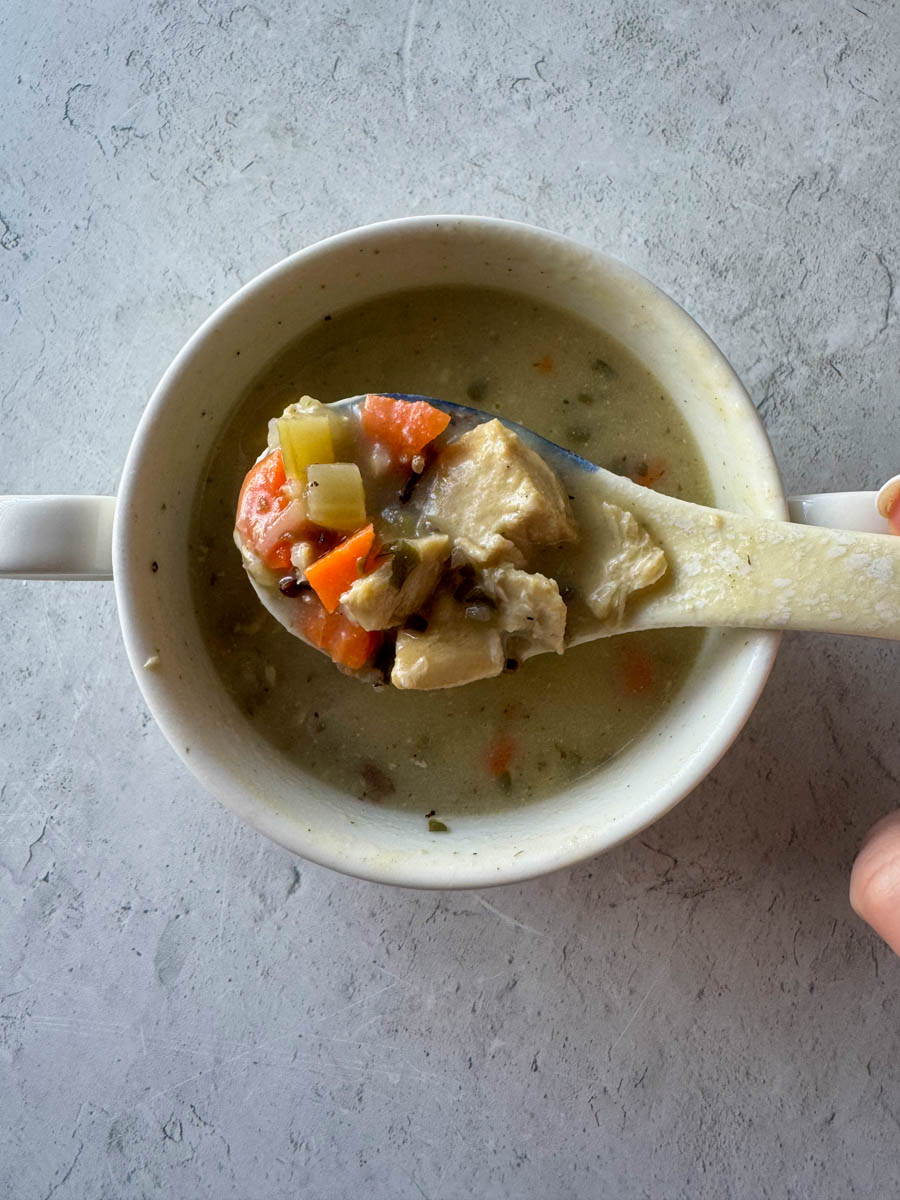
(291, 587)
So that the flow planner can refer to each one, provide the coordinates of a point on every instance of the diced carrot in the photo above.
(279, 556)
(636, 672)
(262, 510)
(260, 493)
(500, 752)
(405, 427)
(894, 516)
(648, 471)
(331, 575)
(345, 642)
(350, 644)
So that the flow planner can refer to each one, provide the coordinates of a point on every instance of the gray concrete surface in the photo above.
(186, 1010)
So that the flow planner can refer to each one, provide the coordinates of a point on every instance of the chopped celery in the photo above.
(335, 496)
(304, 439)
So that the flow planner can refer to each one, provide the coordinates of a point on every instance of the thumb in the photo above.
(875, 881)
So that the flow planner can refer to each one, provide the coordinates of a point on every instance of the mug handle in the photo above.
(56, 537)
(853, 511)
(862, 512)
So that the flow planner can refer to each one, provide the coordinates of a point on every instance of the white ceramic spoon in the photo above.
(724, 568)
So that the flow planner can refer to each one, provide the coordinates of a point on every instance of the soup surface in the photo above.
(497, 742)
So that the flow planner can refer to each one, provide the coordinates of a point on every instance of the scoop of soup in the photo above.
(418, 558)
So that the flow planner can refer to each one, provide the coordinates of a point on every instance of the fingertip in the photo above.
(875, 880)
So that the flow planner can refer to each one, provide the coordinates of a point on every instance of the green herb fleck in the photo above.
(603, 369)
(504, 782)
(477, 390)
(580, 437)
(403, 562)
(435, 826)
(569, 756)
(585, 398)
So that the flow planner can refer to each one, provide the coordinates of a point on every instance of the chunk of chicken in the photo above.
(386, 597)
(450, 652)
(529, 608)
(495, 496)
(626, 560)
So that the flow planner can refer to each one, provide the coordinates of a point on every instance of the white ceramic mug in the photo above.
(140, 540)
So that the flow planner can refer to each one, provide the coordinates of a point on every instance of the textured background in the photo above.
(186, 1010)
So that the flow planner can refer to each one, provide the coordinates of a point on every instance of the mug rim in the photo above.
(216, 778)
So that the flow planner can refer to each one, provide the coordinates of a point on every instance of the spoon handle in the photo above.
(728, 569)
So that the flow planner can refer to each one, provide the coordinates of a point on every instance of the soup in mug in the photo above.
(501, 741)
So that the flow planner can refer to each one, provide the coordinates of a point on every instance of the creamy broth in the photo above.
(556, 718)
